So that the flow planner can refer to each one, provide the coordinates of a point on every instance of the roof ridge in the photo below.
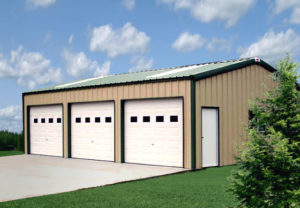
(128, 76)
(182, 66)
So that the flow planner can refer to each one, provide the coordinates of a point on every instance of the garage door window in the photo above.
(159, 119)
(58, 120)
(87, 120)
(97, 120)
(43, 120)
(173, 118)
(133, 119)
(35, 120)
(146, 119)
(108, 119)
(78, 120)
(50, 120)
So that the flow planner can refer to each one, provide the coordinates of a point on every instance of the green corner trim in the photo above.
(122, 133)
(69, 131)
(193, 125)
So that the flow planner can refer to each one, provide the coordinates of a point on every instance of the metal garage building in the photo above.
(191, 116)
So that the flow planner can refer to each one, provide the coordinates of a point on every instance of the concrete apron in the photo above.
(25, 176)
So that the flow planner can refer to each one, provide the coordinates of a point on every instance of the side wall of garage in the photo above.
(179, 88)
(230, 92)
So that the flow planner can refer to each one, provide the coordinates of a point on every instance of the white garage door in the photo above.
(46, 132)
(92, 131)
(154, 132)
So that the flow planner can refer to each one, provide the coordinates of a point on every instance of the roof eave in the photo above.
(107, 85)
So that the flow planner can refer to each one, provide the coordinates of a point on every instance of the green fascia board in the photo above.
(198, 71)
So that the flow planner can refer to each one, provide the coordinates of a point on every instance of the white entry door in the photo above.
(154, 132)
(92, 131)
(210, 149)
(46, 133)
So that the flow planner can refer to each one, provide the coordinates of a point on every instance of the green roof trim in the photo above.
(193, 72)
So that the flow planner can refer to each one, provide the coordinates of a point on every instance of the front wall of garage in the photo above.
(230, 92)
(180, 88)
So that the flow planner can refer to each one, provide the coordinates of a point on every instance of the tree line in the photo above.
(11, 141)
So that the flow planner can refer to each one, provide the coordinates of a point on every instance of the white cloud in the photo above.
(128, 4)
(294, 5)
(206, 11)
(77, 64)
(40, 3)
(5, 68)
(11, 118)
(48, 37)
(281, 5)
(126, 40)
(71, 38)
(140, 63)
(187, 42)
(29, 68)
(103, 70)
(219, 44)
(295, 18)
(272, 46)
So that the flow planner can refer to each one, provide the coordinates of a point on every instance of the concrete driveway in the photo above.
(32, 175)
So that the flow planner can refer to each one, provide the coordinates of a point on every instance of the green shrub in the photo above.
(268, 172)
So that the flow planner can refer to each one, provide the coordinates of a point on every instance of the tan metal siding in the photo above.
(118, 93)
(230, 92)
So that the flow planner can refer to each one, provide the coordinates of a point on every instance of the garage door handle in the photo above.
(92, 141)
(152, 144)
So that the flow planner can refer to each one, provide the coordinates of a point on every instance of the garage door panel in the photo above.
(46, 138)
(153, 142)
(93, 140)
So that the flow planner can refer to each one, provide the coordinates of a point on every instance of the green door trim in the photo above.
(122, 131)
(69, 131)
(193, 126)
(28, 129)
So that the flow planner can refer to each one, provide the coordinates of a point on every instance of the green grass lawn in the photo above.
(11, 152)
(205, 188)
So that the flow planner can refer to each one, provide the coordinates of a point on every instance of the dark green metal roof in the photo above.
(195, 72)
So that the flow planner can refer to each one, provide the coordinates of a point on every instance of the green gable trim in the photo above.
(231, 68)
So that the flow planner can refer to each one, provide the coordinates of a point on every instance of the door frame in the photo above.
(28, 127)
(218, 128)
(122, 132)
(69, 104)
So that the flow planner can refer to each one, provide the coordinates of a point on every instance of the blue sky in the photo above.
(47, 42)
